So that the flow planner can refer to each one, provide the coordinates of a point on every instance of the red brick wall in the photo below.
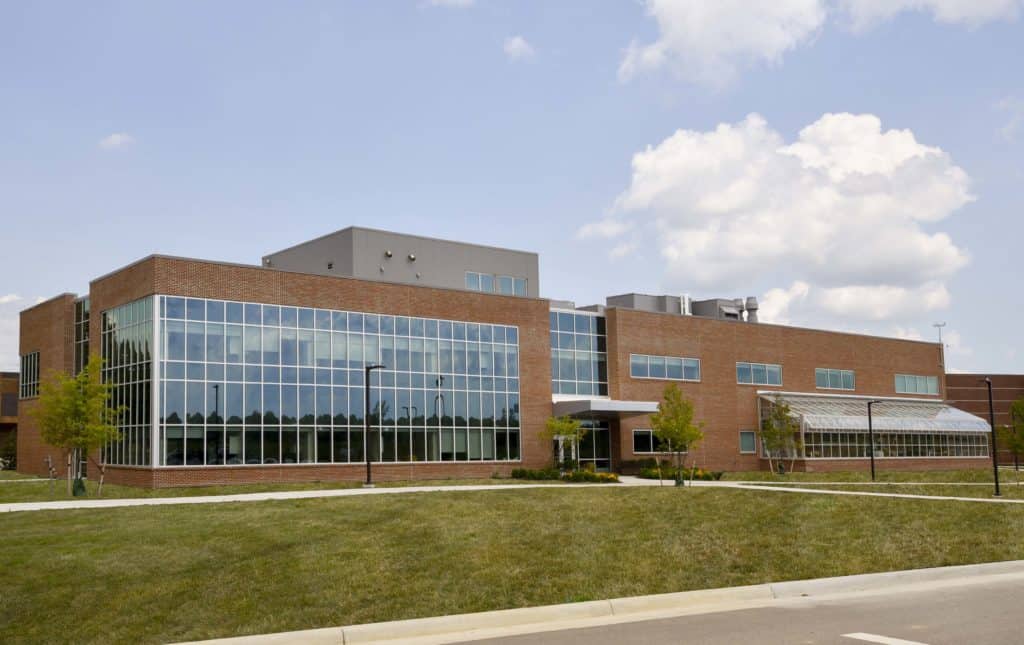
(726, 407)
(970, 394)
(49, 329)
(173, 276)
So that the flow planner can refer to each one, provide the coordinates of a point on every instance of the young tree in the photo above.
(74, 413)
(780, 433)
(1013, 434)
(567, 432)
(674, 427)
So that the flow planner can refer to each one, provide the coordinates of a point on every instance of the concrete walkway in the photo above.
(626, 481)
(800, 594)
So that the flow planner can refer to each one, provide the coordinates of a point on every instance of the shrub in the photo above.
(669, 472)
(9, 452)
(590, 477)
(542, 474)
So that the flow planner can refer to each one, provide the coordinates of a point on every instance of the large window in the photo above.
(505, 285)
(81, 333)
(854, 445)
(595, 448)
(579, 358)
(126, 342)
(249, 383)
(758, 374)
(645, 442)
(748, 442)
(28, 378)
(910, 384)
(830, 379)
(664, 367)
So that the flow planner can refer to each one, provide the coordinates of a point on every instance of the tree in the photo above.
(566, 431)
(1013, 434)
(74, 413)
(674, 427)
(780, 433)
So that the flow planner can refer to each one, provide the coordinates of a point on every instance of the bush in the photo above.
(669, 472)
(590, 477)
(542, 474)
(9, 452)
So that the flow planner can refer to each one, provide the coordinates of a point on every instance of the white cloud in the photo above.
(1014, 107)
(866, 13)
(9, 298)
(116, 140)
(450, 4)
(708, 42)
(9, 332)
(622, 250)
(516, 49)
(608, 227)
(841, 214)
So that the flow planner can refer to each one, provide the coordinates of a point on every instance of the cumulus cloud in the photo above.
(867, 13)
(116, 140)
(710, 42)
(842, 215)
(517, 49)
(9, 298)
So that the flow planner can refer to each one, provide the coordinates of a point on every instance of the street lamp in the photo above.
(366, 421)
(871, 438)
(992, 425)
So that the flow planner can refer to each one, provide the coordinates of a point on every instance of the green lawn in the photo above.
(10, 474)
(979, 475)
(161, 574)
(43, 491)
(1009, 489)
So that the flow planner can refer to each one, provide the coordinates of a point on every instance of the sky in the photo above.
(855, 164)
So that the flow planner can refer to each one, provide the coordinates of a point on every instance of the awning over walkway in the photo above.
(850, 414)
(603, 408)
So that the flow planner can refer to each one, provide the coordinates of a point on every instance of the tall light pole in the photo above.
(992, 425)
(366, 421)
(939, 326)
(871, 439)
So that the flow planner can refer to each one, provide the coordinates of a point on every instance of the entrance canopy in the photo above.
(603, 408)
(850, 414)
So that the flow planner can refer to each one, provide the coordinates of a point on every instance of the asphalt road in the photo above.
(992, 612)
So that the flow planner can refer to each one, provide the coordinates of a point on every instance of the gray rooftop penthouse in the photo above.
(382, 256)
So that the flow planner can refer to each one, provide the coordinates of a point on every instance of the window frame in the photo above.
(684, 359)
(767, 371)
(916, 379)
(829, 371)
(654, 443)
(752, 433)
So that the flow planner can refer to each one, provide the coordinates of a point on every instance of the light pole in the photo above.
(871, 439)
(366, 421)
(992, 425)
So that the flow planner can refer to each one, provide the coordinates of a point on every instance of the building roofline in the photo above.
(777, 325)
(49, 300)
(159, 256)
(419, 237)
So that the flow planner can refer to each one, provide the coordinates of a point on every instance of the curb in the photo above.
(621, 610)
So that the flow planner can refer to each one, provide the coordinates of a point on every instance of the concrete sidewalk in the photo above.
(825, 491)
(269, 496)
(496, 624)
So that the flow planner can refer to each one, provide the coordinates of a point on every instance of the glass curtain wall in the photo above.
(81, 333)
(249, 383)
(126, 347)
(579, 358)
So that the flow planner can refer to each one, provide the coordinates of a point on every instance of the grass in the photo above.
(42, 491)
(10, 474)
(158, 574)
(965, 476)
(1008, 489)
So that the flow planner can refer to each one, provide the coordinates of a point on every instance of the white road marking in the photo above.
(884, 640)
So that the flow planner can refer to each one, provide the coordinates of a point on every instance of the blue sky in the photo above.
(856, 164)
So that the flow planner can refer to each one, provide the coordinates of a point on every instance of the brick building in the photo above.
(236, 373)
(8, 409)
(969, 392)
